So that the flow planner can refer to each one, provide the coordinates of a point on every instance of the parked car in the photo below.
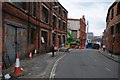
(96, 46)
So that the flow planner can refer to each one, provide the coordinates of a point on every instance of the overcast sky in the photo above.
(95, 12)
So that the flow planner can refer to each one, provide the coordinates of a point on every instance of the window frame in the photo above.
(45, 12)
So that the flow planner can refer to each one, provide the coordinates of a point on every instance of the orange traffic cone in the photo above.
(17, 69)
(30, 56)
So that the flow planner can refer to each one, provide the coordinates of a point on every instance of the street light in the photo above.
(53, 43)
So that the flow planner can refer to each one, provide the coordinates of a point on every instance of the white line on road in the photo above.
(108, 69)
(95, 60)
(52, 74)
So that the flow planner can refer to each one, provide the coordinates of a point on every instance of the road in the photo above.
(86, 63)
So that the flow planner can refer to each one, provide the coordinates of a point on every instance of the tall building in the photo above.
(112, 31)
(27, 26)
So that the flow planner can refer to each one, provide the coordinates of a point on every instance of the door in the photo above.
(22, 42)
(15, 39)
(9, 44)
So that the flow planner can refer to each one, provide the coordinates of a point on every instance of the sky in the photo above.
(95, 12)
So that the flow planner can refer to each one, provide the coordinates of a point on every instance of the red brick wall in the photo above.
(112, 44)
(83, 31)
(1, 36)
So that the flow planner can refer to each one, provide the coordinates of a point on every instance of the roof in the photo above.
(73, 19)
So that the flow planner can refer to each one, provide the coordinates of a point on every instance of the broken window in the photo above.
(44, 14)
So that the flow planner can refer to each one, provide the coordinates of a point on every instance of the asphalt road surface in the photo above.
(86, 63)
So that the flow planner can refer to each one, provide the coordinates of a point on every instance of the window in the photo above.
(118, 8)
(112, 13)
(64, 14)
(118, 28)
(59, 10)
(44, 14)
(22, 5)
(112, 30)
(59, 23)
(33, 9)
(55, 5)
(32, 37)
(64, 26)
(54, 21)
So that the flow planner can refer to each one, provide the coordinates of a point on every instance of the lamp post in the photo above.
(87, 33)
(53, 43)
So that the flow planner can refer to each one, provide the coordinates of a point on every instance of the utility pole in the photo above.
(87, 32)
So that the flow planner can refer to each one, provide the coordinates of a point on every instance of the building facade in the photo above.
(27, 26)
(83, 31)
(112, 31)
(77, 27)
(74, 27)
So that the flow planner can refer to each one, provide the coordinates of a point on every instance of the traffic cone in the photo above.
(30, 56)
(17, 69)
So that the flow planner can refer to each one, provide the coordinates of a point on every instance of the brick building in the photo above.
(83, 31)
(27, 26)
(78, 29)
(112, 31)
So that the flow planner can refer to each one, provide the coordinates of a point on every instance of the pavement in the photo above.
(39, 67)
(113, 57)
